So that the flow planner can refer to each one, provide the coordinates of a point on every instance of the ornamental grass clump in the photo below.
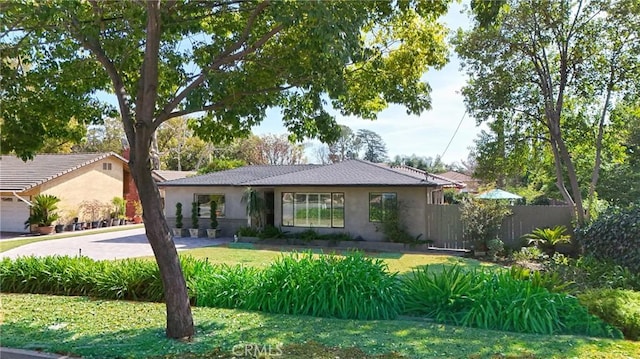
(58, 275)
(350, 287)
(224, 286)
(496, 300)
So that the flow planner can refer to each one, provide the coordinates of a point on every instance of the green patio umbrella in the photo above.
(498, 194)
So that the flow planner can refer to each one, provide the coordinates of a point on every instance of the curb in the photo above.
(10, 353)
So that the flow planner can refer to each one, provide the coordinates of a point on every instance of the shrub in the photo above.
(213, 215)
(179, 215)
(132, 279)
(496, 300)
(307, 235)
(588, 272)
(615, 236)
(494, 247)
(442, 296)
(336, 237)
(393, 227)
(247, 232)
(481, 220)
(529, 254)
(351, 287)
(195, 214)
(269, 232)
(620, 308)
(552, 281)
(224, 286)
(548, 238)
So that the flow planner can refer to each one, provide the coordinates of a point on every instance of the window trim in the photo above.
(319, 194)
(200, 215)
(382, 201)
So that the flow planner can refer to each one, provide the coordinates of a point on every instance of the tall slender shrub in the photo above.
(195, 214)
(179, 215)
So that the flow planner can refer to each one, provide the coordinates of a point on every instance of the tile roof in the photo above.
(17, 175)
(347, 173)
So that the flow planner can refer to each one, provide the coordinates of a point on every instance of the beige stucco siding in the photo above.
(234, 212)
(411, 200)
(90, 182)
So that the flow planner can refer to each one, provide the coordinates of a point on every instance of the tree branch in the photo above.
(120, 91)
(148, 85)
(228, 100)
(227, 56)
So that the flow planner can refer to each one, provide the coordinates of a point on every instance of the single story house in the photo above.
(73, 178)
(350, 196)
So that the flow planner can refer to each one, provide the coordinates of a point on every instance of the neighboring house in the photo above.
(167, 175)
(350, 196)
(471, 184)
(71, 177)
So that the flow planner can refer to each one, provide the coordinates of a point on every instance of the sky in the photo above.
(425, 135)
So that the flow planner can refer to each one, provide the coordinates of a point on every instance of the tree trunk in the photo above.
(573, 179)
(179, 317)
(598, 160)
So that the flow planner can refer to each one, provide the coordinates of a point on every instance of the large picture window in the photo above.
(381, 203)
(204, 204)
(302, 209)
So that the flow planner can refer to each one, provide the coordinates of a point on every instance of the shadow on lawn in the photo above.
(213, 339)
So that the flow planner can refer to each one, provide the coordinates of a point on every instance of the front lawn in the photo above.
(110, 329)
(262, 256)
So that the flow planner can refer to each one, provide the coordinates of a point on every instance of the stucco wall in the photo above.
(90, 182)
(356, 217)
(412, 201)
(235, 210)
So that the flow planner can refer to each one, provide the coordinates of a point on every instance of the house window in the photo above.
(204, 204)
(302, 209)
(106, 166)
(380, 204)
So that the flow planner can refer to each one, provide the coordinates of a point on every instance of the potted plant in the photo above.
(211, 232)
(92, 210)
(177, 231)
(195, 213)
(137, 206)
(43, 213)
(119, 209)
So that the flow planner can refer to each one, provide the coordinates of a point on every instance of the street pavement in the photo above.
(111, 245)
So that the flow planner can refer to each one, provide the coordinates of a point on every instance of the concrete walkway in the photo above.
(111, 245)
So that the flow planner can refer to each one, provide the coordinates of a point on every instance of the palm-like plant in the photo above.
(43, 210)
(256, 206)
(548, 237)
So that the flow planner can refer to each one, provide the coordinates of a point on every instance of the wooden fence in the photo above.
(444, 227)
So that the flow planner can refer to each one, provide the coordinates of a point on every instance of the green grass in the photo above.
(110, 329)
(6, 245)
(260, 257)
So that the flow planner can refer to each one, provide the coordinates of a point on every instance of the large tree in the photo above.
(553, 68)
(228, 60)
(373, 146)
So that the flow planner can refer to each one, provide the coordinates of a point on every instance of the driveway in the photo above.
(112, 245)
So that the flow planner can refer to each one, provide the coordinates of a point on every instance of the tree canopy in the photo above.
(549, 72)
(224, 62)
